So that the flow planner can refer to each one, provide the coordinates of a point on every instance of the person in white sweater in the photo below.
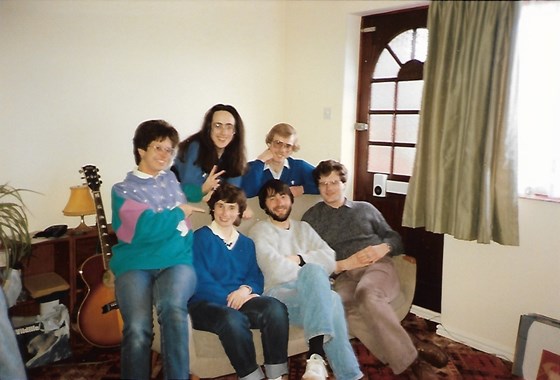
(296, 264)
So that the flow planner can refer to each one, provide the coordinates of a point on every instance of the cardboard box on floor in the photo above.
(44, 338)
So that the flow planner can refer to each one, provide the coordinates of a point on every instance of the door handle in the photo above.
(361, 127)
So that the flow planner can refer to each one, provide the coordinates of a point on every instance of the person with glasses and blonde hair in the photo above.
(214, 154)
(152, 260)
(276, 163)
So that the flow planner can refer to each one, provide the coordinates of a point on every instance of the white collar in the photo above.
(140, 174)
(276, 175)
(286, 165)
(219, 232)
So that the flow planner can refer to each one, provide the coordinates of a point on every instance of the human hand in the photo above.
(109, 279)
(265, 156)
(297, 191)
(365, 256)
(238, 297)
(372, 253)
(212, 180)
(294, 258)
(207, 196)
(248, 213)
(357, 260)
(188, 209)
(362, 258)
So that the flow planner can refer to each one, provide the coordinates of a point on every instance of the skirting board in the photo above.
(426, 314)
(474, 342)
(459, 336)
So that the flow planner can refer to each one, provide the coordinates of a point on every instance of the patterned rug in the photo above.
(89, 363)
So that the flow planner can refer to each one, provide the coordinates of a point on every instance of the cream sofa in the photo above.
(207, 356)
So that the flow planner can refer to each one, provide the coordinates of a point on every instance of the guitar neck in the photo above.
(102, 229)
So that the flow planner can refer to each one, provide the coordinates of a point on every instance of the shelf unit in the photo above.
(63, 256)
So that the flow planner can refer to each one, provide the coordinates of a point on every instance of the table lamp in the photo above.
(80, 204)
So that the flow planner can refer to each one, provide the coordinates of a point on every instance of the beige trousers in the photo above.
(366, 293)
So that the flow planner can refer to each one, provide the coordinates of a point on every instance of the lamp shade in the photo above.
(80, 202)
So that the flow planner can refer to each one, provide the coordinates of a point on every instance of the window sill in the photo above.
(536, 197)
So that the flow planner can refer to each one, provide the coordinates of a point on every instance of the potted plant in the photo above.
(15, 240)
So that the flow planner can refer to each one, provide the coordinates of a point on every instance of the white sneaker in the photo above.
(315, 369)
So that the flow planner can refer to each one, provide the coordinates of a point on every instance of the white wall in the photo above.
(76, 78)
(322, 72)
(487, 287)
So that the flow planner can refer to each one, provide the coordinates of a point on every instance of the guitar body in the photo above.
(99, 321)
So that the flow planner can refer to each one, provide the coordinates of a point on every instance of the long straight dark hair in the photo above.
(234, 158)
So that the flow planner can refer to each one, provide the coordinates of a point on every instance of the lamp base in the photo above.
(82, 228)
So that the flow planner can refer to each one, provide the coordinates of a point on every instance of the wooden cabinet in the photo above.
(63, 256)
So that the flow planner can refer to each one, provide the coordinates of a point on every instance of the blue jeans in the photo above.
(312, 304)
(169, 291)
(11, 364)
(233, 328)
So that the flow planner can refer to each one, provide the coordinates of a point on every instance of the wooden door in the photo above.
(393, 51)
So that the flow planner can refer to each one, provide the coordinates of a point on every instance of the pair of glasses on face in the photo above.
(219, 127)
(162, 149)
(334, 182)
(280, 144)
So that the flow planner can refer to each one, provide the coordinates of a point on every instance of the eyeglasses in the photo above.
(334, 182)
(161, 149)
(280, 144)
(228, 128)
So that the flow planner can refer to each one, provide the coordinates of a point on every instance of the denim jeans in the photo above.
(233, 328)
(11, 363)
(312, 304)
(169, 291)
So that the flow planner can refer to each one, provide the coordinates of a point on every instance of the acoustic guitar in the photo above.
(99, 320)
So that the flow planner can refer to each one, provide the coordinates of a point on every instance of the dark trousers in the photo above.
(232, 326)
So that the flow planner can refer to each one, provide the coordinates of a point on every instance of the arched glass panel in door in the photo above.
(396, 94)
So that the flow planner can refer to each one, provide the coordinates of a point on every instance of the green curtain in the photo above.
(464, 180)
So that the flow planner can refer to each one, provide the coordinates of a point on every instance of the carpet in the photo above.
(90, 363)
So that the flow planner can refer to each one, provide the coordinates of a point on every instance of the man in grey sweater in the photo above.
(367, 280)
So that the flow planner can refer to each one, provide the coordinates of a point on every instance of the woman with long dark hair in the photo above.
(215, 153)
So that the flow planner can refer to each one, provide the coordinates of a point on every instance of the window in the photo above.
(538, 110)
(396, 94)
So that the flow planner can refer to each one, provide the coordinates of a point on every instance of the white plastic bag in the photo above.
(12, 286)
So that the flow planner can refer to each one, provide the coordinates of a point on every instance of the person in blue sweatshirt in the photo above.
(276, 163)
(228, 300)
(152, 260)
(213, 155)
